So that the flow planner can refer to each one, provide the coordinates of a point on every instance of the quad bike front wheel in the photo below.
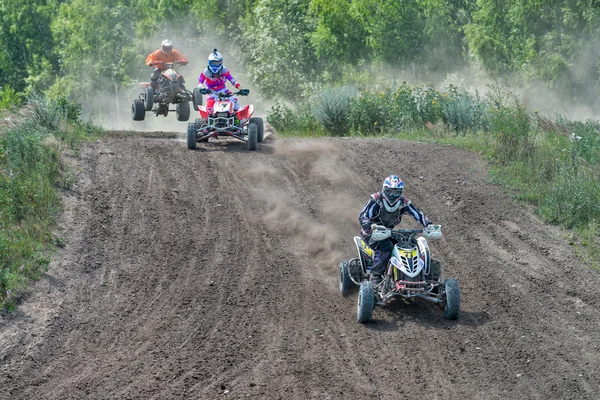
(149, 98)
(192, 136)
(451, 299)
(252, 136)
(365, 303)
(261, 128)
(196, 98)
(138, 113)
(347, 287)
(435, 271)
(183, 111)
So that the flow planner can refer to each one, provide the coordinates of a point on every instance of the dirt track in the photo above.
(212, 274)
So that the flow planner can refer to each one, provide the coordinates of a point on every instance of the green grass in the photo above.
(551, 163)
(31, 176)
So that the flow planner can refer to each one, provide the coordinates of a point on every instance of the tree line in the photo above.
(289, 47)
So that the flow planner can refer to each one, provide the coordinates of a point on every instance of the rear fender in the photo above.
(365, 254)
(245, 113)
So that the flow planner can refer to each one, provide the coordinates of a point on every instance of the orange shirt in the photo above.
(160, 55)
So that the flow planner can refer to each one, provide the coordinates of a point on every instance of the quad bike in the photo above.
(224, 121)
(170, 90)
(411, 273)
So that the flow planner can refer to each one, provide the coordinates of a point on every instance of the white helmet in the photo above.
(215, 62)
(392, 192)
(166, 46)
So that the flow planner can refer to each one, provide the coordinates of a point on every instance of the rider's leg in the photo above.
(210, 104)
(154, 78)
(383, 253)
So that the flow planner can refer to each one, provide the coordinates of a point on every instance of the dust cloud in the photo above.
(111, 109)
(312, 222)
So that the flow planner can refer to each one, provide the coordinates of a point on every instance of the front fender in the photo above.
(424, 253)
(365, 254)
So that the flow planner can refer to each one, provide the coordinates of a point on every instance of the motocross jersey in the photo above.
(158, 57)
(375, 212)
(216, 82)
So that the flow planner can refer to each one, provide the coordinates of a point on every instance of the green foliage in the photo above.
(573, 199)
(280, 57)
(463, 111)
(9, 98)
(28, 46)
(294, 122)
(79, 48)
(331, 109)
(555, 41)
(31, 173)
(511, 129)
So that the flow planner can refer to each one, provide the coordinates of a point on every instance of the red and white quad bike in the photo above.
(170, 90)
(224, 121)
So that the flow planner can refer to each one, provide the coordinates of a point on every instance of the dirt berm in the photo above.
(213, 274)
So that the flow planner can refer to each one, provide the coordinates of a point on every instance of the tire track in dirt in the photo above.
(188, 274)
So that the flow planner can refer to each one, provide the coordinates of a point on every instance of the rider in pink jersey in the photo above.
(215, 77)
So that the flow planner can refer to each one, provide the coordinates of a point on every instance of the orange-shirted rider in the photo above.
(158, 58)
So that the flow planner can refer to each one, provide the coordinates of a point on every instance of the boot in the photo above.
(376, 279)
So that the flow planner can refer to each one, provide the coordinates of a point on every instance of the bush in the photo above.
(369, 113)
(331, 109)
(464, 112)
(573, 200)
(287, 121)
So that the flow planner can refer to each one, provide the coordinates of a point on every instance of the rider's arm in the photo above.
(179, 57)
(368, 213)
(416, 213)
(201, 79)
(150, 59)
(230, 78)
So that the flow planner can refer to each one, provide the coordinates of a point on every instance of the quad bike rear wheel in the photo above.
(261, 128)
(366, 302)
(252, 136)
(149, 98)
(347, 287)
(192, 136)
(451, 299)
(183, 111)
(138, 113)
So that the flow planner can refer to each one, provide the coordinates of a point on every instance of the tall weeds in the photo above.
(31, 176)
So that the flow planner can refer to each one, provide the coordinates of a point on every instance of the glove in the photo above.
(380, 232)
(237, 85)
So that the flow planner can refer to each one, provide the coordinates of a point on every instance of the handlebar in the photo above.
(241, 92)
(431, 232)
(169, 63)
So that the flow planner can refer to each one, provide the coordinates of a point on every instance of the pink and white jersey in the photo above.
(216, 82)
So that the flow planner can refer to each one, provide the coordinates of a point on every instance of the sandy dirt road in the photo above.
(213, 274)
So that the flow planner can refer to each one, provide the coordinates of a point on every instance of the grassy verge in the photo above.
(550, 162)
(32, 143)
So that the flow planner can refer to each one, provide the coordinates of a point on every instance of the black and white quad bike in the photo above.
(170, 90)
(411, 273)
